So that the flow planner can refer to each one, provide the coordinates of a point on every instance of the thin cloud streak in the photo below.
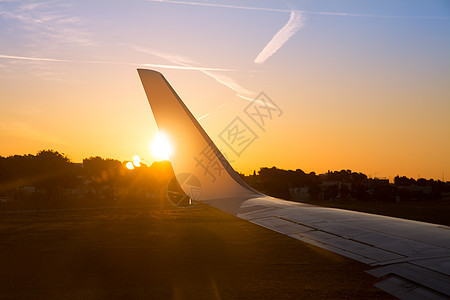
(300, 11)
(33, 58)
(186, 68)
(228, 82)
(117, 63)
(219, 78)
(220, 5)
(281, 37)
(262, 102)
(213, 111)
(186, 63)
(181, 65)
(204, 116)
(49, 23)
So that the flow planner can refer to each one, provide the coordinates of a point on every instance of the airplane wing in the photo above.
(411, 258)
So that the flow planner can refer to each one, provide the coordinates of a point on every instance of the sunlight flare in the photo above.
(161, 147)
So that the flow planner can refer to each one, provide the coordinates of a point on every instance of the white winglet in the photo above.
(194, 152)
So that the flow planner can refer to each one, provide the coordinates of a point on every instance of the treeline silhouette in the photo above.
(343, 185)
(49, 180)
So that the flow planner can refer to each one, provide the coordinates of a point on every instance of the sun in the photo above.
(161, 147)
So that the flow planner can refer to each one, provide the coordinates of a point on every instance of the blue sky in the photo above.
(364, 85)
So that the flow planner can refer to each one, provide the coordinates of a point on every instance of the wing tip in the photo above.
(149, 72)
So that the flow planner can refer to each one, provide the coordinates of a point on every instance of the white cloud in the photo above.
(48, 23)
(281, 37)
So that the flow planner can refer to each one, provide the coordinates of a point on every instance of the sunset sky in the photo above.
(362, 85)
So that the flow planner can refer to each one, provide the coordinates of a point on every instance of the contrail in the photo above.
(33, 58)
(117, 63)
(292, 26)
(214, 110)
(228, 82)
(221, 5)
(183, 62)
(204, 116)
(219, 78)
(325, 13)
(281, 37)
(187, 68)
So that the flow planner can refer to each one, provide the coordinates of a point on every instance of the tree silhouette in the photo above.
(103, 175)
(55, 171)
(56, 178)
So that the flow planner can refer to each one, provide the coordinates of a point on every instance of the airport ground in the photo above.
(163, 252)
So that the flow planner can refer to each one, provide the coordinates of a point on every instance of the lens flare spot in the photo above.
(136, 161)
(129, 165)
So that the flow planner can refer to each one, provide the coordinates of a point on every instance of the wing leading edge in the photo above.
(412, 258)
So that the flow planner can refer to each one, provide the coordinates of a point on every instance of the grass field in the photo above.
(166, 253)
